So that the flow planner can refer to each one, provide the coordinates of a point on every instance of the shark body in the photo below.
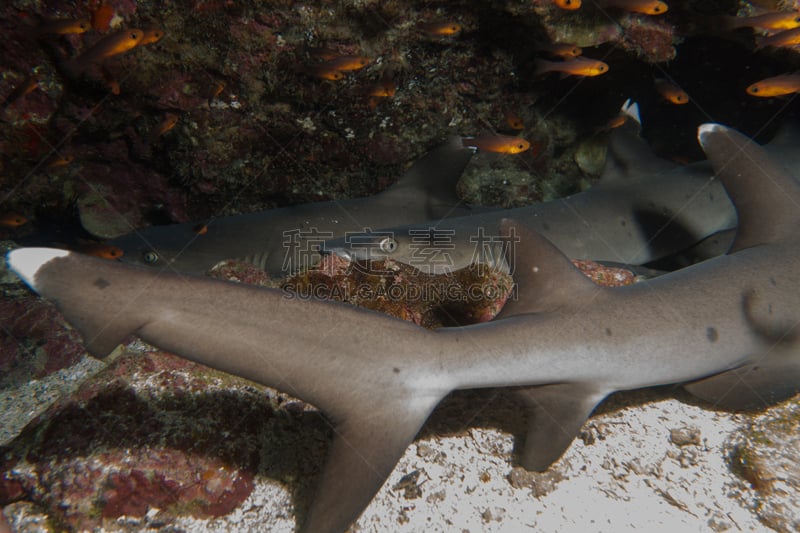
(284, 240)
(643, 209)
(728, 325)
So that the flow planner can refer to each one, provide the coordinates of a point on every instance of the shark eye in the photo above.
(150, 258)
(388, 245)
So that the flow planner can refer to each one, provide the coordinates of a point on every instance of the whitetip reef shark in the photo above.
(643, 209)
(727, 326)
(284, 240)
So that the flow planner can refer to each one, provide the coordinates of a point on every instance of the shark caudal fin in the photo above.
(546, 280)
(767, 201)
(764, 193)
(100, 322)
(544, 277)
(432, 180)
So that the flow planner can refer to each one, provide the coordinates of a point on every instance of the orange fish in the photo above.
(200, 229)
(101, 16)
(111, 45)
(167, 124)
(501, 144)
(64, 27)
(513, 121)
(776, 86)
(326, 73)
(345, 63)
(58, 161)
(12, 220)
(214, 91)
(779, 20)
(27, 86)
(383, 89)
(579, 66)
(671, 92)
(104, 251)
(569, 5)
(616, 122)
(563, 50)
(644, 7)
(111, 83)
(784, 38)
(150, 36)
(440, 29)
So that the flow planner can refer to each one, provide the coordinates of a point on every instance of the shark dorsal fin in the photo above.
(432, 180)
(629, 157)
(765, 195)
(545, 278)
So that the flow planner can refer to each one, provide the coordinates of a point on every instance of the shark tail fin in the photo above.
(103, 327)
(366, 447)
(432, 180)
(555, 415)
(763, 192)
(544, 276)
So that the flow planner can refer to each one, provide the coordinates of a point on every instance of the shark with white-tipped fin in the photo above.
(642, 210)
(729, 325)
(284, 240)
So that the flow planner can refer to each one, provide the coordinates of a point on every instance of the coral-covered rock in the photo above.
(35, 340)
(144, 433)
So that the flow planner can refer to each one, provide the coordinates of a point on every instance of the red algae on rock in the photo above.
(142, 434)
(35, 340)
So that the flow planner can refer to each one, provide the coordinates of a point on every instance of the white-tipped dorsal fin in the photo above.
(765, 195)
(26, 262)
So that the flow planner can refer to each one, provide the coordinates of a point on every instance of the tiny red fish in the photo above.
(784, 38)
(150, 36)
(671, 92)
(501, 144)
(779, 20)
(563, 50)
(579, 66)
(58, 161)
(111, 45)
(440, 29)
(12, 220)
(775, 86)
(513, 121)
(568, 5)
(104, 251)
(644, 7)
(169, 122)
(64, 27)
(346, 63)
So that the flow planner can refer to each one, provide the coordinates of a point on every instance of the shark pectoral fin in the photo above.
(555, 416)
(545, 278)
(752, 386)
(364, 451)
